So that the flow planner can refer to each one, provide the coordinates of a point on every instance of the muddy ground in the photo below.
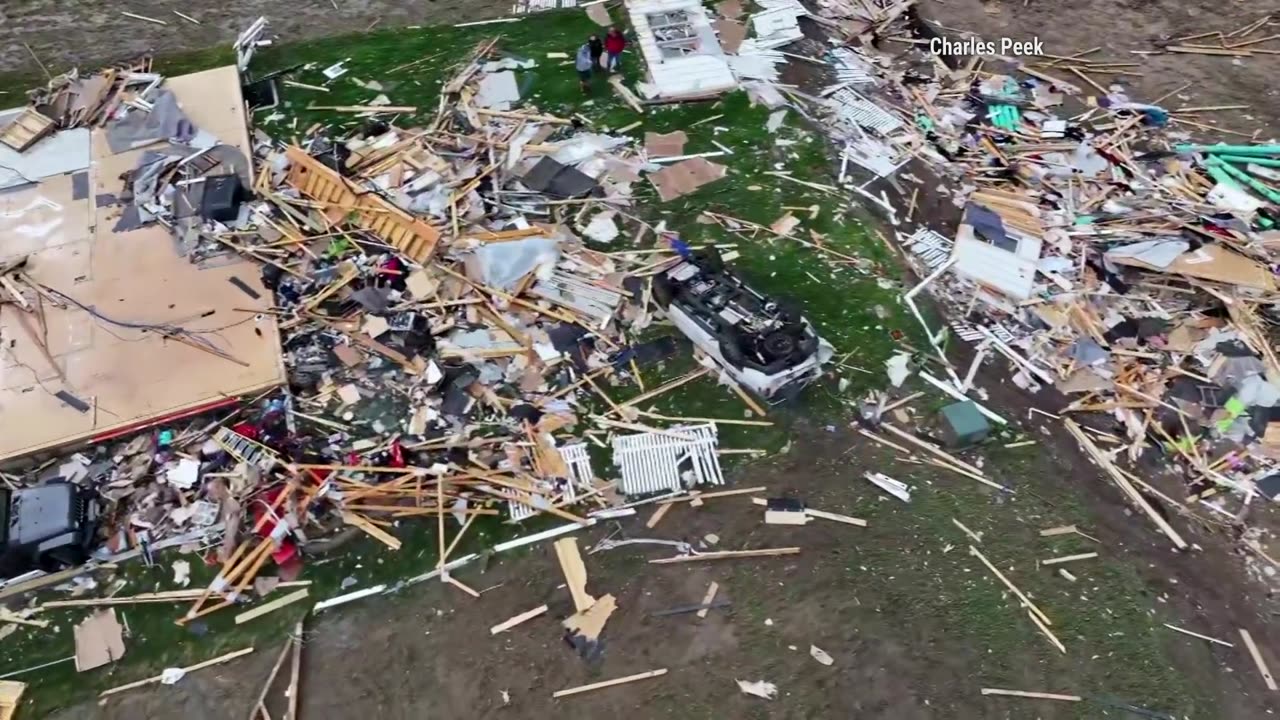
(1120, 27)
(427, 652)
(66, 33)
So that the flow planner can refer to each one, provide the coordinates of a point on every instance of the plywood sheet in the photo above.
(132, 376)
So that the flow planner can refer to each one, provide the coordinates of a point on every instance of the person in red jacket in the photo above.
(614, 43)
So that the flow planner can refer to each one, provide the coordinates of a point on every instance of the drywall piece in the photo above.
(670, 460)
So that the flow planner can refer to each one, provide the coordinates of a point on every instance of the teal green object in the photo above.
(1084, 220)
(1241, 159)
(963, 424)
(924, 121)
(1243, 177)
(1005, 117)
(165, 438)
(1249, 150)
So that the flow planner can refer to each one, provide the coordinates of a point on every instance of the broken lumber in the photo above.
(1175, 628)
(1012, 588)
(186, 670)
(1070, 558)
(727, 554)
(1035, 695)
(708, 598)
(517, 620)
(1263, 670)
(272, 606)
(1119, 479)
(608, 683)
(575, 573)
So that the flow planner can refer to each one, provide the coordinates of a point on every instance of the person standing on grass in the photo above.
(614, 43)
(597, 50)
(584, 64)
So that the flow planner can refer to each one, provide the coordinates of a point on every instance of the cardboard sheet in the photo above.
(99, 640)
(685, 176)
(660, 145)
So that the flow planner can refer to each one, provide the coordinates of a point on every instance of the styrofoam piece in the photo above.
(657, 462)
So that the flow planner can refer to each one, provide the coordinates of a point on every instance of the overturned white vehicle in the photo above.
(771, 350)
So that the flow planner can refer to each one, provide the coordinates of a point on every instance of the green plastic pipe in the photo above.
(1215, 164)
(1248, 150)
(1241, 159)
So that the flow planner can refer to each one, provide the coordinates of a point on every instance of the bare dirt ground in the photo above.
(427, 652)
(82, 32)
(1122, 26)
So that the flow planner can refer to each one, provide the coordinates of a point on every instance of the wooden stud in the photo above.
(708, 598)
(726, 555)
(608, 683)
(517, 620)
(1257, 660)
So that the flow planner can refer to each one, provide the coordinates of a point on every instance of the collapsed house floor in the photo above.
(109, 327)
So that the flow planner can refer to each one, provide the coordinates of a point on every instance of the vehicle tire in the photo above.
(664, 290)
(779, 345)
(731, 347)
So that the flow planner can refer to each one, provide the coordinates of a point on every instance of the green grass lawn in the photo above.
(850, 305)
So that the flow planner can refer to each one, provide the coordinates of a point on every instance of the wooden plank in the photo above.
(295, 671)
(1257, 660)
(1124, 484)
(376, 532)
(272, 606)
(710, 596)
(657, 515)
(1012, 588)
(608, 683)
(1060, 530)
(1070, 558)
(575, 573)
(710, 495)
(727, 554)
(1035, 695)
(834, 517)
(189, 669)
(10, 697)
(1175, 628)
(266, 687)
(517, 620)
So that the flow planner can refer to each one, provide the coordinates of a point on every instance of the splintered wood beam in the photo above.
(726, 555)
(608, 683)
(1034, 695)
(517, 620)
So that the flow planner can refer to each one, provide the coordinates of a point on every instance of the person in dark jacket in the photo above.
(597, 50)
(614, 43)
